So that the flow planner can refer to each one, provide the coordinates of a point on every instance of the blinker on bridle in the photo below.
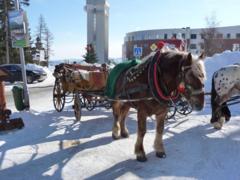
(183, 87)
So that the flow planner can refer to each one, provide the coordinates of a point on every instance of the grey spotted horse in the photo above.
(225, 84)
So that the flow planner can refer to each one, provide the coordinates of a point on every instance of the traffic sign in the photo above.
(153, 47)
(137, 51)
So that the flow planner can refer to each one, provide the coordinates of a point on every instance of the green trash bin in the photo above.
(18, 97)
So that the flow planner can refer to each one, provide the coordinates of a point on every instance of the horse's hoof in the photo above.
(125, 135)
(115, 137)
(161, 154)
(227, 118)
(141, 158)
(217, 125)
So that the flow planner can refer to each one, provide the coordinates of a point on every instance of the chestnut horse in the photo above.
(225, 84)
(149, 86)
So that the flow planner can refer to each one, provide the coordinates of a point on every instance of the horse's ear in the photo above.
(189, 59)
(202, 56)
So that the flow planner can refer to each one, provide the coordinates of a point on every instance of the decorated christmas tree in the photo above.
(90, 56)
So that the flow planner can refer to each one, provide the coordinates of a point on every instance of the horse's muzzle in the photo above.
(197, 107)
(197, 102)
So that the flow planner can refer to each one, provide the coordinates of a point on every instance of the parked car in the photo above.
(16, 73)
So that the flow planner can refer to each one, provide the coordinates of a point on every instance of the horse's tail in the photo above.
(213, 91)
(213, 100)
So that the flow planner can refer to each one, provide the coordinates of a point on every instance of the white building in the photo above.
(192, 36)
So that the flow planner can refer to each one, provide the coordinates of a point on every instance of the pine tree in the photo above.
(5, 43)
(90, 56)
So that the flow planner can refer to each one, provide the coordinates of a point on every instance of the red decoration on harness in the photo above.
(181, 87)
(160, 44)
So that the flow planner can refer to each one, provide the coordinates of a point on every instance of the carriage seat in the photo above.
(80, 74)
(89, 80)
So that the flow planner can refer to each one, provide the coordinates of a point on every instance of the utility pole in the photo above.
(6, 30)
(24, 76)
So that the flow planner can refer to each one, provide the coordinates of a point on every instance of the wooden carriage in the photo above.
(82, 84)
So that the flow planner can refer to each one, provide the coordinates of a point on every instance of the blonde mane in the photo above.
(198, 67)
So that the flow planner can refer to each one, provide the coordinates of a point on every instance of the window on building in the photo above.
(219, 35)
(165, 36)
(132, 38)
(228, 35)
(193, 46)
(238, 35)
(145, 45)
(193, 36)
(183, 35)
(174, 36)
(202, 36)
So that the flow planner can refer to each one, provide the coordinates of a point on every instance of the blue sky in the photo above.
(66, 19)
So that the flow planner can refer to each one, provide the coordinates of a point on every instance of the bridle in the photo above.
(187, 88)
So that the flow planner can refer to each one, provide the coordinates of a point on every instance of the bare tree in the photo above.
(212, 39)
(45, 38)
(41, 27)
(48, 40)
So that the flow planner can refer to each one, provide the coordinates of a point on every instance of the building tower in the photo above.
(97, 27)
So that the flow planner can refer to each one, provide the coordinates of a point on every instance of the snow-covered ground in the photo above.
(53, 146)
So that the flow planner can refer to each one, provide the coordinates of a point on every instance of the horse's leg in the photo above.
(214, 104)
(124, 111)
(139, 149)
(219, 118)
(222, 112)
(226, 112)
(216, 118)
(116, 106)
(158, 143)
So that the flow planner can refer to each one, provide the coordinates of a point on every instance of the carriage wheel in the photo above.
(77, 107)
(91, 104)
(58, 96)
(171, 112)
(183, 107)
(108, 105)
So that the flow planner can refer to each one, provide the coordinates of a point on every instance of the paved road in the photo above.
(36, 95)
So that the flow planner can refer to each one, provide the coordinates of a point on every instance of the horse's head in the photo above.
(59, 70)
(192, 80)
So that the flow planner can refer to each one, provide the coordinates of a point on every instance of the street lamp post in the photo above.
(24, 77)
(187, 37)
(7, 33)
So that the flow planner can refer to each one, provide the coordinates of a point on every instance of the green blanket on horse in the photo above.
(115, 73)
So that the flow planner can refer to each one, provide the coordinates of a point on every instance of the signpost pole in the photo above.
(24, 77)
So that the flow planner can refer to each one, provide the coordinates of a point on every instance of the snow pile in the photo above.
(218, 61)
